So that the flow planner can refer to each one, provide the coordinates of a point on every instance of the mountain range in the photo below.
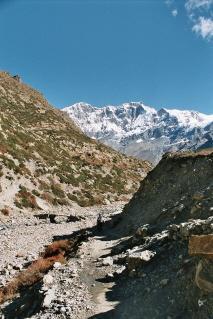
(151, 258)
(142, 131)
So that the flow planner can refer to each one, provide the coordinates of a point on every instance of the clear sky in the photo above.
(112, 51)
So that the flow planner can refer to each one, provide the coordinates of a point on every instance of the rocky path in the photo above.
(74, 290)
(96, 269)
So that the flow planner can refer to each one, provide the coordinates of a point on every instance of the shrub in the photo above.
(25, 199)
(23, 170)
(10, 164)
(5, 211)
(35, 192)
(3, 149)
(72, 197)
(53, 253)
(60, 201)
(57, 247)
(10, 178)
(43, 185)
(47, 197)
(28, 277)
(57, 191)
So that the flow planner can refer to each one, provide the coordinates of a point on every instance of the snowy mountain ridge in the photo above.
(142, 131)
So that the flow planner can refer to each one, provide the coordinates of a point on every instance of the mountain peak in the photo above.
(140, 106)
(188, 118)
(140, 130)
(81, 106)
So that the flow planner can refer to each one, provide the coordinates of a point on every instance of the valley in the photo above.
(87, 232)
(106, 159)
(134, 262)
(77, 280)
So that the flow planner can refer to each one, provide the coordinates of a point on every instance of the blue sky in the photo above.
(112, 51)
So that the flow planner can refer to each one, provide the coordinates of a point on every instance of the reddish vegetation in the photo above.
(57, 248)
(26, 199)
(53, 253)
(5, 211)
(47, 197)
(3, 149)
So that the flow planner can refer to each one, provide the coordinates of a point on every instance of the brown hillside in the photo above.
(46, 160)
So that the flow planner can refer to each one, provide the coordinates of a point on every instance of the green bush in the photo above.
(57, 191)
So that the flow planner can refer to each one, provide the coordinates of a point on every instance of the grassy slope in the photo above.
(60, 164)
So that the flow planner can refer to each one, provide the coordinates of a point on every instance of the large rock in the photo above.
(48, 280)
(108, 261)
(204, 275)
(49, 297)
(137, 258)
(201, 246)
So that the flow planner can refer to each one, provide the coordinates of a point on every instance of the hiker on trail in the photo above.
(100, 222)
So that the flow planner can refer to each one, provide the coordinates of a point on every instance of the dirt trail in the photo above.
(87, 288)
(94, 272)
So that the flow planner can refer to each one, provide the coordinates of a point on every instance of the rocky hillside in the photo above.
(178, 189)
(168, 254)
(45, 160)
(139, 130)
(152, 261)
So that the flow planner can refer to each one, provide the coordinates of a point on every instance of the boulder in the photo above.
(204, 275)
(108, 261)
(57, 265)
(137, 258)
(49, 296)
(142, 231)
(201, 246)
(164, 282)
(48, 280)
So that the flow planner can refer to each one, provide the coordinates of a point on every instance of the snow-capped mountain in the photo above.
(139, 130)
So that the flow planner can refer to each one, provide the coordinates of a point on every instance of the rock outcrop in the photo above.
(168, 256)
(177, 190)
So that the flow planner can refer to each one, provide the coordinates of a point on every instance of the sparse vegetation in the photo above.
(49, 140)
(57, 191)
(1, 172)
(35, 192)
(53, 253)
(60, 201)
(47, 197)
(24, 199)
(5, 211)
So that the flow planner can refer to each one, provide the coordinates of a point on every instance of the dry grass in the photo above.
(53, 253)
(47, 197)
(3, 149)
(58, 247)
